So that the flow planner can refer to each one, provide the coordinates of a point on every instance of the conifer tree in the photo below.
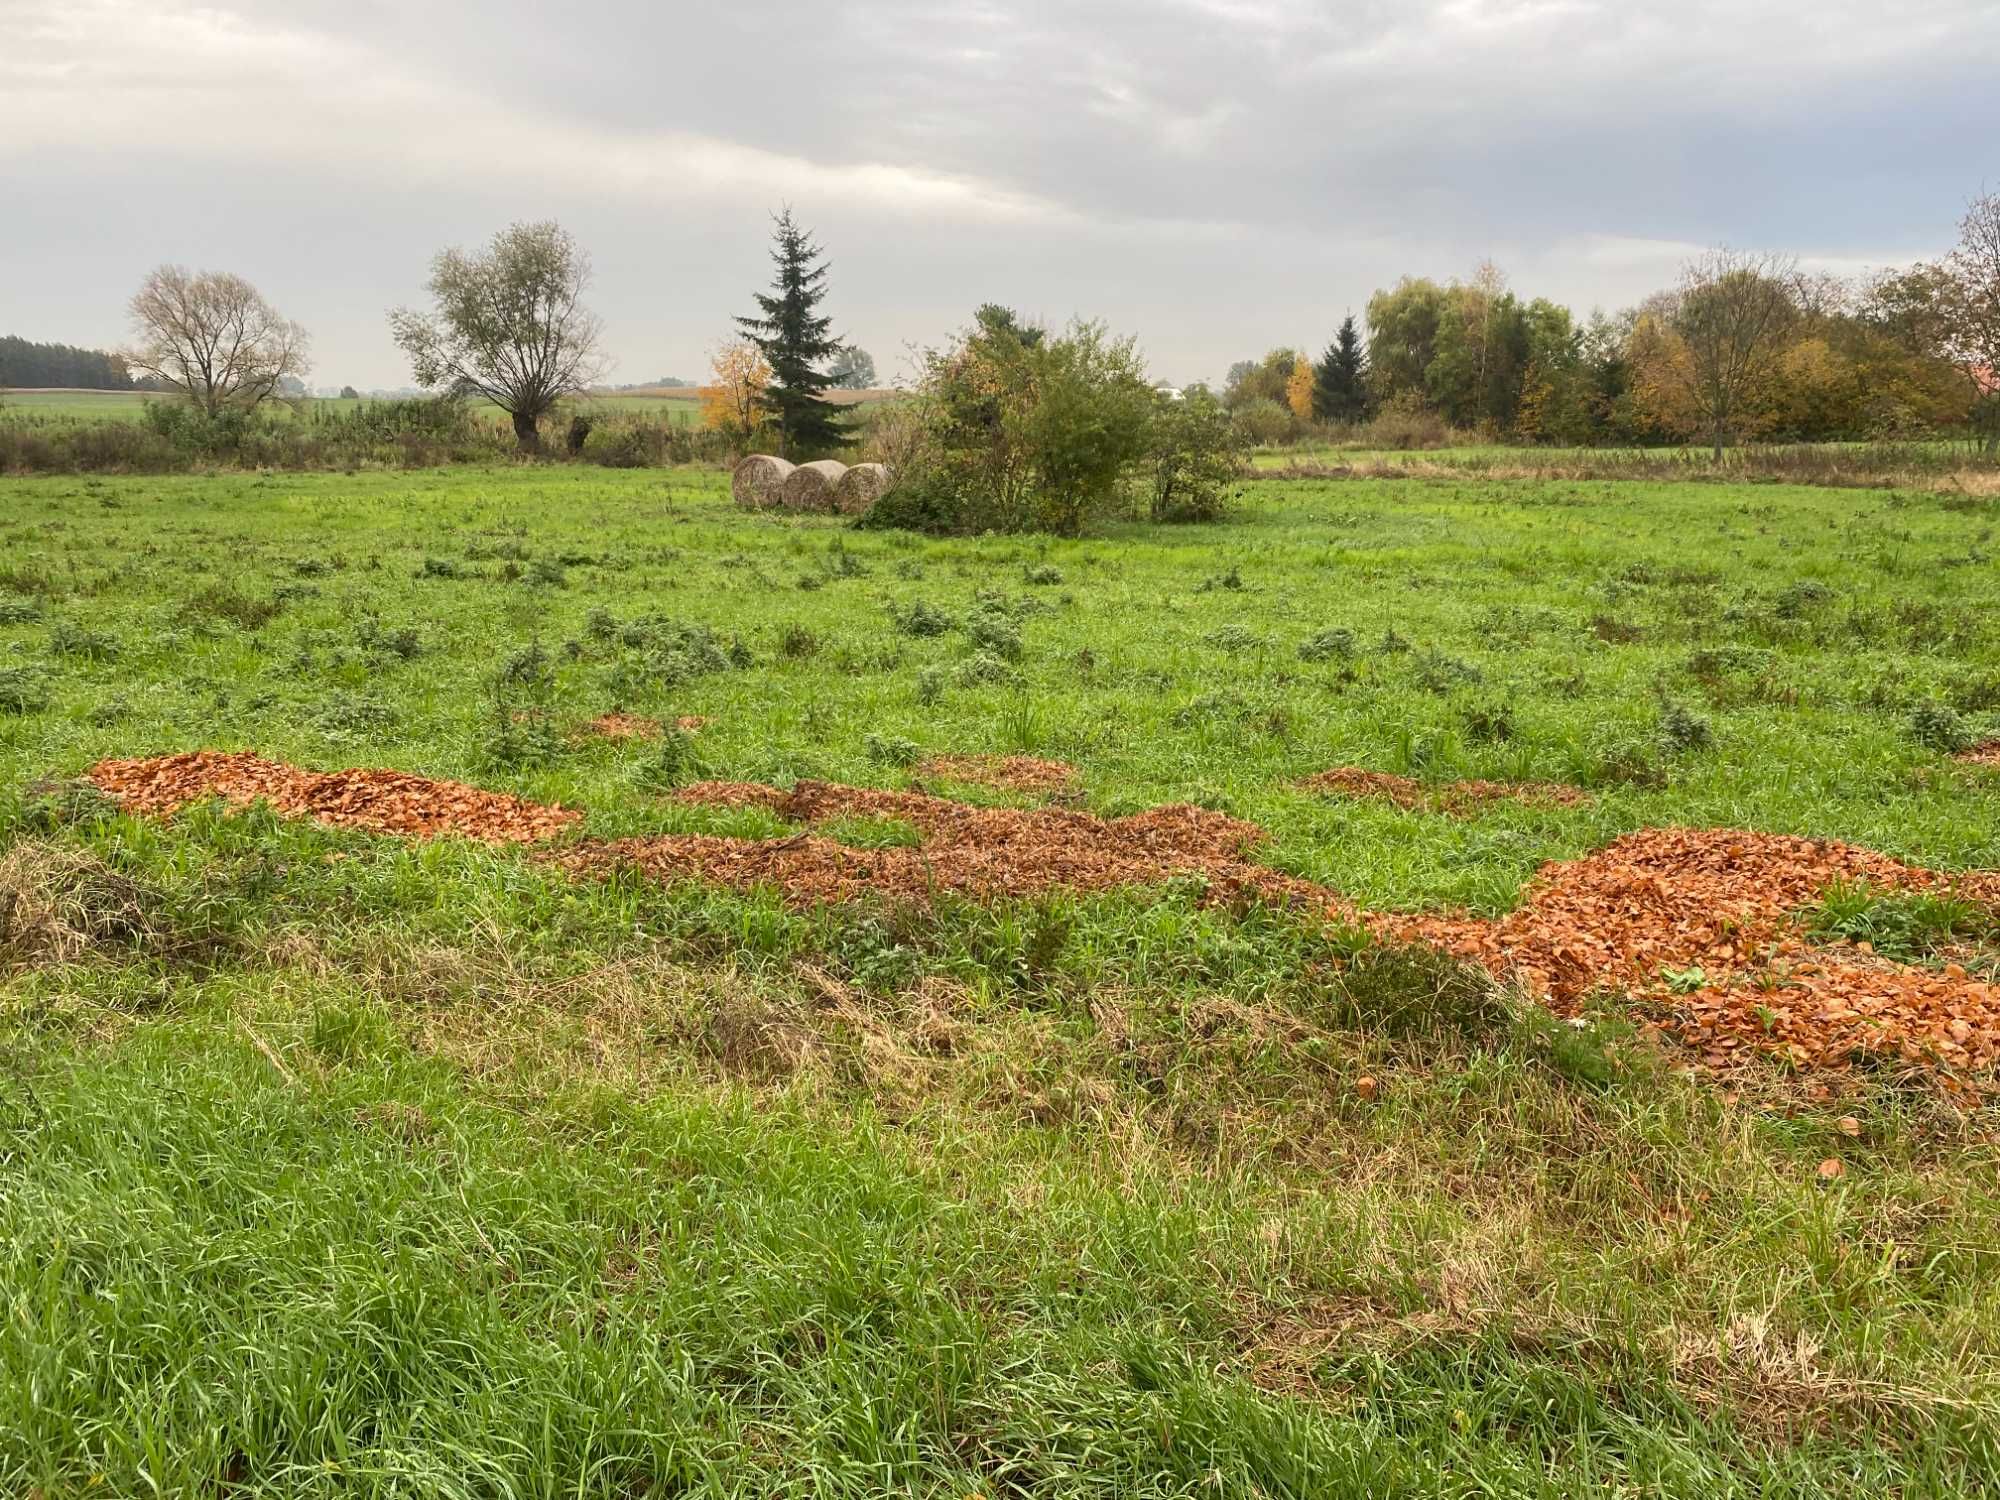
(1340, 380)
(797, 342)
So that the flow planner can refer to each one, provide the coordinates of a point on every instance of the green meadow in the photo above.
(339, 1165)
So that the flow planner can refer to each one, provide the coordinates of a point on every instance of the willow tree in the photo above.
(509, 324)
(211, 337)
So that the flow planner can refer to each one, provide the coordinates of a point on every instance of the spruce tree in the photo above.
(1340, 379)
(797, 343)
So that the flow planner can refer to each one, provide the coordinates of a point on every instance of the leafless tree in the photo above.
(1972, 337)
(1731, 311)
(509, 325)
(212, 337)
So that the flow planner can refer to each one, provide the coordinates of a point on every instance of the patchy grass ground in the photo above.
(333, 1164)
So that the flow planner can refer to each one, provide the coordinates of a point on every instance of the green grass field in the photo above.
(335, 1165)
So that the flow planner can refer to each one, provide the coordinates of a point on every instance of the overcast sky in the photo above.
(1215, 176)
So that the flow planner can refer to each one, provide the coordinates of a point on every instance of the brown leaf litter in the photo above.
(1456, 797)
(1011, 773)
(985, 853)
(624, 726)
(377, 801)
(1700, 926)
(1718, 908)
(1987, 754)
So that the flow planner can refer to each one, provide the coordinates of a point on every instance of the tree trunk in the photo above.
(1718, 441)
(526, 433)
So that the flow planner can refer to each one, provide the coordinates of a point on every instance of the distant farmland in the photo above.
(678, 404)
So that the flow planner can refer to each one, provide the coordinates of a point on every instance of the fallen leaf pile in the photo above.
(378, 801)
(624, 726)
(1450, 797)
(617, 726)
(1987, 754)
(981, 852)
(1013, 773)
(1701, 923)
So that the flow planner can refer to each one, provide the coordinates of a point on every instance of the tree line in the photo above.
(1743, 346)
(25, 363)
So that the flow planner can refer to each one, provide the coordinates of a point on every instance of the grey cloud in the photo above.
(1213, 174)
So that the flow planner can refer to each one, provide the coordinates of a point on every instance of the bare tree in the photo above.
(1972, 320)
(509, 325)
(1731, 313)
(213, 338)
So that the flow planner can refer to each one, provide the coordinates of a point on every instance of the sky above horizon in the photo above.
(1217, 177)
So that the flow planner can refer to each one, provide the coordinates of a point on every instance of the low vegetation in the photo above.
(335, 1161)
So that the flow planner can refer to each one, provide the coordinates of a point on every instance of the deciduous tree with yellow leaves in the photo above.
(1299, 388)
(733, 400)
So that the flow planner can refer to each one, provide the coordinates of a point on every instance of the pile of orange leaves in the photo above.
(1699, 926)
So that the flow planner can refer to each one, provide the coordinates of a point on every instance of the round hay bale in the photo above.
(860, 487)
(809, 487)
(757, 480)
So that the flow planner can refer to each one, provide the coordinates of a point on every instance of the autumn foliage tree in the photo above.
(1299, 388)
(1731, 318)
(211, 337)
(730, 402)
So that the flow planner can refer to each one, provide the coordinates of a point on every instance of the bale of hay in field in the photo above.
(860, 487)
(809, 487)
(757, 480)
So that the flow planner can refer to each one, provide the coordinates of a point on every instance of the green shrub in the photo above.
(1195, 454)
(992, 632)
(1938, 726)
(1263, 422)
(1681, 730)
(23, 690)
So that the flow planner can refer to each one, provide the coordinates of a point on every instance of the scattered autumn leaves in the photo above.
(1458, 797)
(376, 801)
(986, 853)
(1698, 926)
(1700, 923)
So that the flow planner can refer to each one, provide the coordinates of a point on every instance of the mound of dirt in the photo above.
(1012, 773)
(1717, 908)
(378, 801)
(1456, 797)
(982, 852)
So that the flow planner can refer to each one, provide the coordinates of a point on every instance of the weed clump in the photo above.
(79, 641)
(893, 750)
(23, 690)
(1416, 991)
(922, 618)
(1938, 726)
(1682, 731)
(221, 602)
(993, 632)
(1335, 644)
(520, 720)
